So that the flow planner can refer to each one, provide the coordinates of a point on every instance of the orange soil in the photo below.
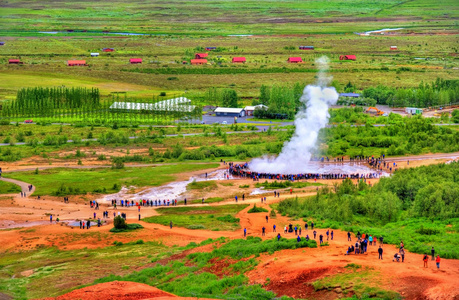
(119, 290)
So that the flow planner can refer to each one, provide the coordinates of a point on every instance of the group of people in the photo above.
(437, 259)
(145, 202)
(361, 245)
(88, 224)
(241, 170)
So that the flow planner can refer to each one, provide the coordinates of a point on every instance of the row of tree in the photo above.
(437, 93)
(61, 104)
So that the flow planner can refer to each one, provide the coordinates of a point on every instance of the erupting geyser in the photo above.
(296, 153)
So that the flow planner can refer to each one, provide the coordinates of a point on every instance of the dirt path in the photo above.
(23, 185)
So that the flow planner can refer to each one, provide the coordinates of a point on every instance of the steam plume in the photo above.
(296, 153)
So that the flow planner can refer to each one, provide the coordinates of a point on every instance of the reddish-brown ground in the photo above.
(290, 272)
(119, 290)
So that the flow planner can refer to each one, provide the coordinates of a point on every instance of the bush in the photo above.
(229, 219)
(128, 227)
(256, 209)
(119, 223)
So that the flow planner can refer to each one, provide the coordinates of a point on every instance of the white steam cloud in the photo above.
(296, 153)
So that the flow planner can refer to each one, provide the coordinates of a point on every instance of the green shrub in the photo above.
(256, 209)
(119, 223)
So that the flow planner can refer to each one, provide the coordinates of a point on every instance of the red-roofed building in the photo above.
(108, 49)
(239, 60)
(72, 63)
(200, 55)
(347, 57)
(393, 47)
(198, 61)
(135, 61)
(15, 62)
(211, 48)
(295, 60)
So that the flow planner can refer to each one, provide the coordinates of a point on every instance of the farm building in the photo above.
(15, 62)
(95, 54)
(180, 104)
(393, 47)
(108, 49)
(347, 57)
(229, 112)
(306, 47)
(239, 60)
(250, 109)
(295, 60)
(198, 61)
(72, 63)
(350, 95)
(211, 48)
(2, 43)
(135, 61)
(200, 55)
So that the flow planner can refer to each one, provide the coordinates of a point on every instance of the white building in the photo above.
(249, 110)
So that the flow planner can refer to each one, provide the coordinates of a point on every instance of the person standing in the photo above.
(314, 232)
(243, 197)
(235, 197)
(306, 226)
(298, 239)
(380, 252)
(278, 236)
(312, 225)
(328, 234)
(331, 235)
(274, 228)
(50, 218)
(245, 232)
(425, 259)
(321, 239)
(263, 231)
(170, 224)
(266, 219)
(81, 224)
(349, 236)
(438, 262)
(296, 230)
(433, 253)
(402, 253)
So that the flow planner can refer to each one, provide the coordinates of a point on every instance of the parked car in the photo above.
(202, 122)
(224, 123)
(28, 121)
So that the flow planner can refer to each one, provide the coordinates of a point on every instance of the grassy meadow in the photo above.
(162, 70)
(223, 17)
(215, 218)
(62, 181)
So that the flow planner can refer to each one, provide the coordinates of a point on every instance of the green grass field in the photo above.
(106, 180)
(9, 188)
(265, 17)
(216, 218)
